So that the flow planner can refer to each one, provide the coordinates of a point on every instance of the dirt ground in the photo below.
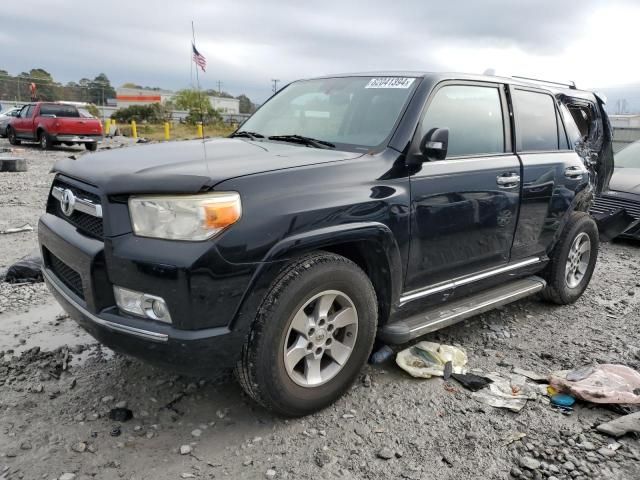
(57, 387)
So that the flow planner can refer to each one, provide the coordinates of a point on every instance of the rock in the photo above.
(80, 417)
(366, 381)
(79, 447)
(271, 473)
(322, 458)
(516, 472)
(185, 449)
(620, 426)
(26, 445)
(196, 433)
(385, 453)
(67, 476)
(587, 446)
(569, 466)
(529, 463)
(121, 404)
(187, 475)
(107, 399)
(606, 452)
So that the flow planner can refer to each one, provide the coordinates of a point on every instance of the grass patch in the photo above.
(178, 131)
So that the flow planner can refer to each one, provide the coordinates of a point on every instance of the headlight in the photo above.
(184, 217)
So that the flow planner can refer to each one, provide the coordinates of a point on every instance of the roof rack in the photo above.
(571, 85)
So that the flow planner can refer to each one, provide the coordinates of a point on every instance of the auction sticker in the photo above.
(390, 82)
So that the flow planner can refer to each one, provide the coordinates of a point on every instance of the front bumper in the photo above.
(202, 340)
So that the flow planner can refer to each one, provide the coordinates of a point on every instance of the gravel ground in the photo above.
(57, 387)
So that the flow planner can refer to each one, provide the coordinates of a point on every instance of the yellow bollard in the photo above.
(200, 133)
(107, 126)
(166, 130)
(134, 129)
(114, 125)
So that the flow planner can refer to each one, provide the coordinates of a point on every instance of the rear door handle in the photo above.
(574, 173)
(508, 180)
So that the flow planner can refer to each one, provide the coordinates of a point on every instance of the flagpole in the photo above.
(193, 33)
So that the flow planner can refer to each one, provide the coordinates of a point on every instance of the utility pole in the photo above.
(275, 84)
(219, 87)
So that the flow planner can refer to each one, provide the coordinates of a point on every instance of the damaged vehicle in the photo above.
(624, 191)
(346, 208)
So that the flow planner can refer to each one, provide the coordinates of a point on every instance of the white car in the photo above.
(5, 119)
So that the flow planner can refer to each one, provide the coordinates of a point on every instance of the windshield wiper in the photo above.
(313, 142)
(244, 133)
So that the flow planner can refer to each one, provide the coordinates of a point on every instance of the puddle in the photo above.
(39, 328)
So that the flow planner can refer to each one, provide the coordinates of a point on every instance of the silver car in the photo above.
(5, 119)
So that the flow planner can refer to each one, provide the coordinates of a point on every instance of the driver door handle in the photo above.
(508, 180)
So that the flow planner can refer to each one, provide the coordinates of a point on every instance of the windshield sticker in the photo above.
(390, 82)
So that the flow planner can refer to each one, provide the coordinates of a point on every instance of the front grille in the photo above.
(84, 222)
(66, 274)
(605, 204)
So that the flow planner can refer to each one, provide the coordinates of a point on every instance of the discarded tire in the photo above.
(10, 164)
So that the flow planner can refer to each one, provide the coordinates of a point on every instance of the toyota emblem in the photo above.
(68, 202)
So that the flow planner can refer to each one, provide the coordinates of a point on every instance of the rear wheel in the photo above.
(11, 133)
(44, 140)
(312, 335)
(91, 146)
(573, 260)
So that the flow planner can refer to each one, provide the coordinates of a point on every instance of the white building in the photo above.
(230, 106)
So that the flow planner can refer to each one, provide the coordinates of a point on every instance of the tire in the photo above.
(13, 140)
(91, 146)
(44, 140)
(563, 288)
(263, 371)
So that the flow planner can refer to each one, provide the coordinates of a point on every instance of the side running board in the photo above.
(407, 329)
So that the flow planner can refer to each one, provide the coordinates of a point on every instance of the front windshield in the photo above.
(628, 157)
(350, 112)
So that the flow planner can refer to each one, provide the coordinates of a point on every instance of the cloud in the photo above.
(249, 42)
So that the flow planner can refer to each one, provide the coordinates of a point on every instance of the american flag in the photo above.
(199, 58)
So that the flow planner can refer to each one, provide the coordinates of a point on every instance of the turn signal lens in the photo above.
(221, 214)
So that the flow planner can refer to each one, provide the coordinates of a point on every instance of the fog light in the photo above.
(141, 304)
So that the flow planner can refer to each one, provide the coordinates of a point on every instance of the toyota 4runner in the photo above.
(346, 208)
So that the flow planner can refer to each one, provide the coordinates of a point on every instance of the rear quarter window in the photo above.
(536, 121)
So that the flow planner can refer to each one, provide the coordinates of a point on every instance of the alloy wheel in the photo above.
(578, 260)
(320, 338)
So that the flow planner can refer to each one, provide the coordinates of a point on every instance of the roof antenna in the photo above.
(200, 62)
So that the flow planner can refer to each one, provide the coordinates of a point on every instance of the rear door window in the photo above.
(536, 121)
(29, 112)
(473, 115)
(59, 110)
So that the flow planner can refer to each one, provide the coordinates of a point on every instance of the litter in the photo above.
(25, 228)
(511, 393)
(562, 400)
(381, 355)
(536, 377)
(25, 270)
(621, 425)
(471, 381)
(600, 384)
(120, 414)
(428, 359)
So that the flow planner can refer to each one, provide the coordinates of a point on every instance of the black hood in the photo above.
(626, 180)
(183, 167)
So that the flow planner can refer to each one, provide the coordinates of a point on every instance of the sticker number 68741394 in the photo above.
(390, 82)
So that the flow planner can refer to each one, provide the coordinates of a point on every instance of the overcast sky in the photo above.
(249, 42)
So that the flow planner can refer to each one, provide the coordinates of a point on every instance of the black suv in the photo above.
(345, 208)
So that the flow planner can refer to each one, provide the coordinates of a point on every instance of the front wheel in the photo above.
(13, 139)
(313, 333)
(573, 260)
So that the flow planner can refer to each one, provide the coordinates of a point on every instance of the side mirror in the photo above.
(435, 143)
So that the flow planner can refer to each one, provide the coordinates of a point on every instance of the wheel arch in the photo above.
(370, 245)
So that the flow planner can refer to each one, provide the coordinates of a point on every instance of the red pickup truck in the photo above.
(51, 124)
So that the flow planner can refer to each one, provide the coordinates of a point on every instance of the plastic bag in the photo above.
(600, 384)
(510, 392)
(427, 359)
(26, 270)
